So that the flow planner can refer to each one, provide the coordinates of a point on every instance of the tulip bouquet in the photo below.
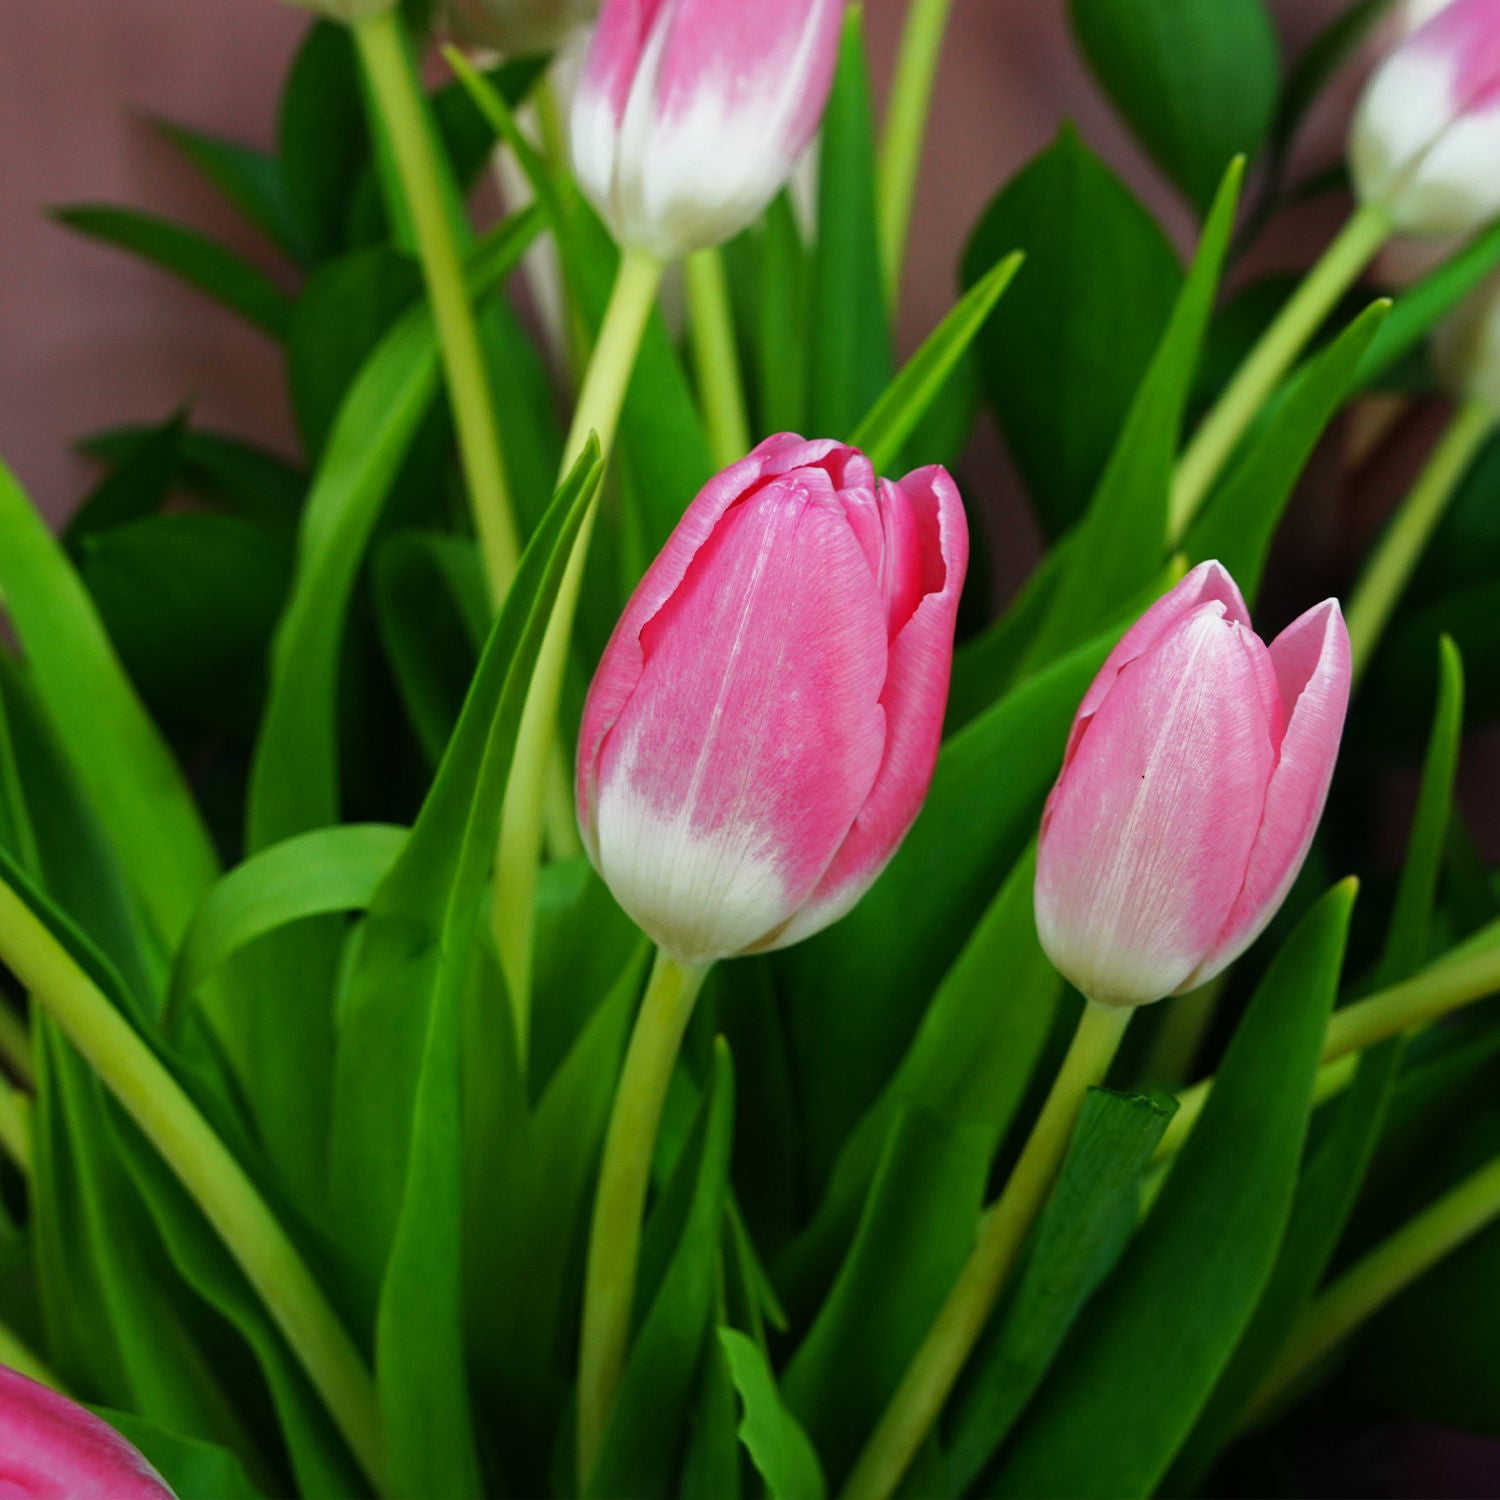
(561, 945)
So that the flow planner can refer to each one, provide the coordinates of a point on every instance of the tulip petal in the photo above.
(927, 516)
(1312, 662)
(52, 1449)
(737, 766)
(1148, 833)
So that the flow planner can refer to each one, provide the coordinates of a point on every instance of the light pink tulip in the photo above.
(51, 1449)
(763, 727)
(1194, 779)
(1426, 136)
(691, 114)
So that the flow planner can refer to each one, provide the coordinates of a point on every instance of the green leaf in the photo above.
(193, 1470)
(135, 786)
(1124, 1393)
(851, 355)
(782, 292)
(1197, 80)
(781, 1451)
(1120, 547)
(251, 180)
(1086, 1223)
(138, 485)
(909, 397)
(191, 257)
(641, 1442)
(1061, 359)
(1242, 517)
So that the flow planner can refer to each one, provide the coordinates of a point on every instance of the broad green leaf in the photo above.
(251, 180)
(851, 354)
(193, 1470)
(1086, 1223)
(1125, 1391)
(1120, 546)
(783, 286)
(641, 1441)
(711, 1463)
(136, 487)
(909, 397)
(135, 786)
(1241, 519)
(1062, 357)
(781, 1451)
(191, 257)
(1197, 80)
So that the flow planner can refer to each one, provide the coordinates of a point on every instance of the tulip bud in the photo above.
(764, 724)
(51, 1448)
(691, 114)
(517, 27)
(1195, 775)
(1466, 348)
(1426, 135)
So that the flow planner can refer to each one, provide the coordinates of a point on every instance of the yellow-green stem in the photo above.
(393, 85)
(905, 131)
(15, 1046)
(931, 1375)
(599, 406)
(1278, 350)
(620, 1199)
(1394, 559)
(15, 1125)
(208, 1171)
(721, 393)
(1387, 1270)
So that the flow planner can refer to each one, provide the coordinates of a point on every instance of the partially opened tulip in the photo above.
(1193, 782)
(1426, 136)
(52, 1449)
(691, 114)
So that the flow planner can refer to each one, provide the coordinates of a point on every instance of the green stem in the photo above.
(931, 1375)
(1180, 1033)
(599, 406)
(394, 86)
(1393, 561)
(15, 1125)
(15, 1045)
(905, 131)
(1278, 350)
(1386, 1271)
(620, 1199)
(212, 1176)
(720, 389)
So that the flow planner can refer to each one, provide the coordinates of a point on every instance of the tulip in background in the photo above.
(52, 1449)
(517, 27)
(1466, 349)
(691, 114)
(1427, 134)
(1194, 779)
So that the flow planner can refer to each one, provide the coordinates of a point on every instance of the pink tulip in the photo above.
(1195, 775)
(1426, 136)
(51, 1449)
(763, 727)
(691, 114)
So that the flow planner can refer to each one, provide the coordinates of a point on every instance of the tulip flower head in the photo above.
(518, 27)
(1193, 782)
(1426, 136)
(691, 114)
(764, 724)
(51, 1449)
(1466, 348)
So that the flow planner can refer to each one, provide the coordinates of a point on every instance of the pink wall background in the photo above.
(87, 338)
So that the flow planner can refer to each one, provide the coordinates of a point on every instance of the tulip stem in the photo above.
(907, 113)
(1395, 558)
(1387, 1270)
(1279, 348)
(394, 87)
(721, 392)
(931, 1375)
(599, 406)
(15, 1125)
(620, 1199)
(214, 1179)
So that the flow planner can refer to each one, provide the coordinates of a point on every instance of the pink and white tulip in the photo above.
(1426, 135)
(1193, 782)
(691, 114)
(764, 724)
(51, 1449)
(516, 28)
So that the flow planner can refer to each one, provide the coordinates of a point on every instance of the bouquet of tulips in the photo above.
(560, 945)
